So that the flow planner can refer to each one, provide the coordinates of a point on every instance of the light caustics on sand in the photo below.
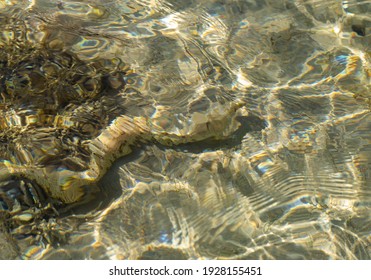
(201, 130)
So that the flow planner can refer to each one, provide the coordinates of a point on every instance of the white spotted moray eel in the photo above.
(62, 125)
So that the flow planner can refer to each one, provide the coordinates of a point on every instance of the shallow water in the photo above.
(248, 123)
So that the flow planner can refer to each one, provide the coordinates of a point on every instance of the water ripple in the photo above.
(244, 129)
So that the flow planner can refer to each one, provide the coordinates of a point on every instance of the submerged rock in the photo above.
(63, 120)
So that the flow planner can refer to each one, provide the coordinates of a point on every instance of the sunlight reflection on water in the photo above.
(243, 126)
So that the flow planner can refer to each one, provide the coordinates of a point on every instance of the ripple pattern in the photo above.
(185, 129)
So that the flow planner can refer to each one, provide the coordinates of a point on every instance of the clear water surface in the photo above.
(248, 123)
